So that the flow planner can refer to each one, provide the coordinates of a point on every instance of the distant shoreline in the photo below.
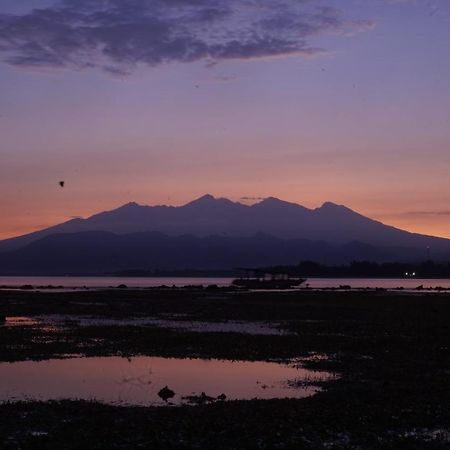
(317, 277)
(304, 269)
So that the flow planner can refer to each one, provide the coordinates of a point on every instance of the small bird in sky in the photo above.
(61, 183)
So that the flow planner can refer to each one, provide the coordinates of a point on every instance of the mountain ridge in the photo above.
(207, 215)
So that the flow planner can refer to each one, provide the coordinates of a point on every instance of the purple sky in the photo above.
(161, 101)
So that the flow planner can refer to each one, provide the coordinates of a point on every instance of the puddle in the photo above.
(255, 328)
(22, 321)
(137, 380)
(19, 321)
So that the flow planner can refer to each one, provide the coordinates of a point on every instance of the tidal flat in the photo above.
(388, 353)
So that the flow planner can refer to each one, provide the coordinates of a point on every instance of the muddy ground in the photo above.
(390, 349)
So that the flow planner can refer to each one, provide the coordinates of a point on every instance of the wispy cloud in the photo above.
(252, 199)
(420, 213)
(427, 213)
(224, 78)
(118, 35)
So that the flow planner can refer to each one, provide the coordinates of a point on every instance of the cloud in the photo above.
(421, 213)
(252, 199)
(224, 78)
(427, 213)
(118, 35)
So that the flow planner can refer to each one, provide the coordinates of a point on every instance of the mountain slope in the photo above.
(102, 252)
(208, 216)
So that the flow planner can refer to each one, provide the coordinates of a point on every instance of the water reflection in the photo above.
(137, 380)
(230, 326)
(19, 321)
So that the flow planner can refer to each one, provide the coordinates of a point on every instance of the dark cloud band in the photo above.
(117, 35)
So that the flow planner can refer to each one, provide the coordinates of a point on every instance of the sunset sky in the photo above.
(162, 101)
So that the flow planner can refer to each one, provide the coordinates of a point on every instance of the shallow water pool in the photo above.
(137, 380)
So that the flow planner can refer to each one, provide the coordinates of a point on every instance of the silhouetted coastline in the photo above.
(311, 269)
(367, 269)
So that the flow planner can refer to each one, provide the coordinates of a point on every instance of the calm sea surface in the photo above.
(102, 282)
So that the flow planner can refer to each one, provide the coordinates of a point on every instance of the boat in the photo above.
(266, 279)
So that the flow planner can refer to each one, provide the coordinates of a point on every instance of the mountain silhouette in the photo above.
(102, 252)
(208, 216)
(214, 232)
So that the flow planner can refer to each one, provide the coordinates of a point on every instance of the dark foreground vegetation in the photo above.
(391, 351)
